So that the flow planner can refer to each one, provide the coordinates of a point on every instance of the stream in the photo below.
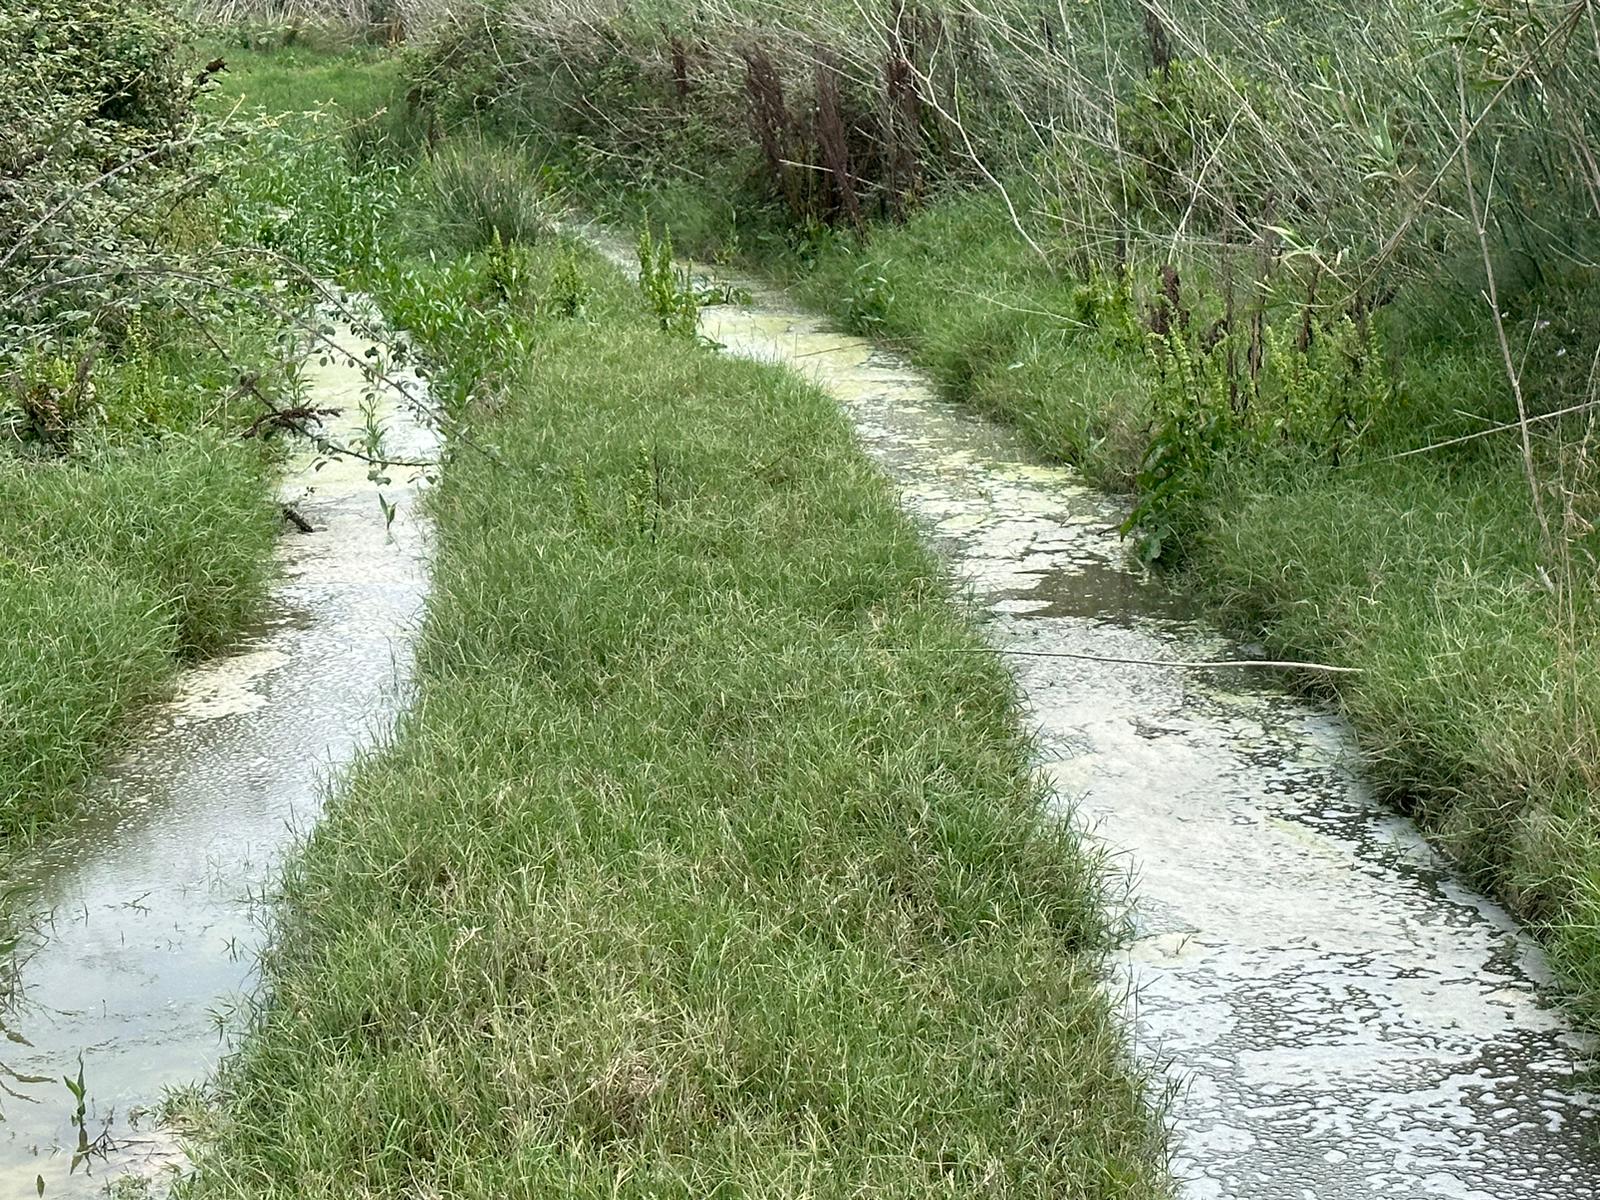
(146, 926)
(1339, 1015)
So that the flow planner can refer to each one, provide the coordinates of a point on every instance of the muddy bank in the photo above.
(144, 916)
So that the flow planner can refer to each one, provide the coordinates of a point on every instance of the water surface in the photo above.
(145, 913)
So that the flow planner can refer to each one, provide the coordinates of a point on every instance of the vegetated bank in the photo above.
(154, 300)
(134, 524)
(1230, 256)
(709, 858)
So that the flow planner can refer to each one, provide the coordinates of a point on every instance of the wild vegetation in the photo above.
(134, 526)
(1314, 288)
(154, 303)
(709, 856)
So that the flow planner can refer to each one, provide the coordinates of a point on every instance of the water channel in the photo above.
(1340, 1015)
(146, 912)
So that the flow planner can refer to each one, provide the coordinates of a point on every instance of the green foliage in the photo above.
(1316, 396)
(1325, 395)
(1193, 425)
(316, 169)
(470, 318)
(44, 398)
(161, 377)
(466, 346)
(868, 302)
(668, 291)
(288, 187)
(84, 83)
(505, 275)
(497, 77)
(390, 138)
(89, 91)
(569, 289)
(1188, 124)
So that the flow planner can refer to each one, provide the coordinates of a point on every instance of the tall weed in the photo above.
(477, 194)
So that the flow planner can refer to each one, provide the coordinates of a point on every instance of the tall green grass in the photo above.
(112, 565)
(1479, 694)
(276, 79)
(708, 860)
(478, 195)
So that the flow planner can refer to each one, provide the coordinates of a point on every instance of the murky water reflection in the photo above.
(145, 925)
(1345, 1019)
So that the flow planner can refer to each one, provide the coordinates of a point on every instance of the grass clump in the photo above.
(113, 565)
(709, 858)
(1477, 701)
(475, 195)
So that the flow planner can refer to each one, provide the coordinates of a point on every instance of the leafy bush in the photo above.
(89, 91)
(467, 316)
(1183, 125)
(666, 287)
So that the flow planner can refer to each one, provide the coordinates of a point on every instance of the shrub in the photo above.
(88, 89)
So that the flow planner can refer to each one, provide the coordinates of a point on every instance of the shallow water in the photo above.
(145, 925)
(1342, 1017)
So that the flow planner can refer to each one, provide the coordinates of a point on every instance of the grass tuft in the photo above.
(110, 566)
(478, 195)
